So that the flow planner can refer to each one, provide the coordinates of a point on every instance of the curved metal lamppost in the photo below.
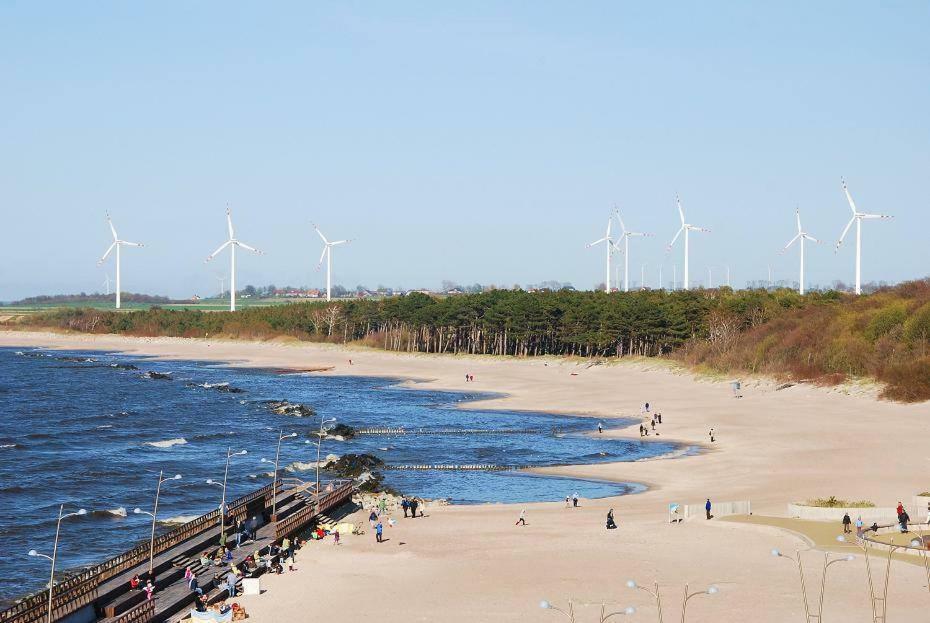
(654, 592)
(827, 562)
(229, 454)
(274, 479)
(54, 556)
(710, 590)
(570, 613)
(153, 515)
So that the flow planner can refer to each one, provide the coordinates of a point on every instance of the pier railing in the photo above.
(80, 590)
(299, 520)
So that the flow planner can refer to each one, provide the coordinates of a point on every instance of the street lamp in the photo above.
(229, 454)
(570, 614)
(823, 581)
(153, 514)
(654, 593)
(628, 611)
(274, 479)
(710, 590)
(32, 552)
(319, 444)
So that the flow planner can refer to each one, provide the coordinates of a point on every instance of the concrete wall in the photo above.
(918, 512)
(718, 509)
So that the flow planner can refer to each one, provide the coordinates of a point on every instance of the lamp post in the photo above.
(229, 454)
(628, 611)
(32, 552)
(654, 593)
(319, 444)
(569, 614)
(274, 479)
(879, 614)
(153, 515)
(710, 590)
(827, 561)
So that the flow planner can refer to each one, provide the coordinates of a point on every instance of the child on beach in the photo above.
(149, 590)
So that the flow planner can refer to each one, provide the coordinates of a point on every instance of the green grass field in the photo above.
(202, 305)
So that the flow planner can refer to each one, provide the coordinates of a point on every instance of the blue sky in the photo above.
(476, 142)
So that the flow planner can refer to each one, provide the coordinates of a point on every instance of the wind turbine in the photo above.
(117, 243)
(625, 236)
(222, 280)
(232, 243)
(685, 227)
(802, 236)
(106, 283)
(328, 254)
(858, 218)
(610, 249)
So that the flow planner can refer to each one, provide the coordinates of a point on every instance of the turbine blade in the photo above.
(609, 221)
(248, 248)
(672, 243)
(793, 240)
(874, 216)
(681, 212)
(333, 244)
(107, 253)
(852, 204)
(811, 238)
(845, 231)
(598, 241)
(131, 244)
(702, 229)
(229, 226)
(322, 255)
(797, 213)
(325, 241)
(222, 246)
(112, 229)
(620, 219)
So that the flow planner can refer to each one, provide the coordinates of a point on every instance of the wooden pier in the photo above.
(102, 592)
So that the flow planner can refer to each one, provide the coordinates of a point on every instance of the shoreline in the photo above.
(772, 448)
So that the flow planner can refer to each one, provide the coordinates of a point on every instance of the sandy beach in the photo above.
(471, 563)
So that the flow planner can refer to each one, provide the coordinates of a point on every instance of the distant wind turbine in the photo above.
(222, 281)
(771, 280)
(685, 227)
(117, 243)
(710, 277)
(609, 243)
(232, 243)
(106, 283)
(625, 236)
(800, 236)
(858, 217)
(328, 254)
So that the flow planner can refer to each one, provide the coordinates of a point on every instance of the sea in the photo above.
(93, 430)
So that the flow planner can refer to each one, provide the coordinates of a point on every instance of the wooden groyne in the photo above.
(475, 467)
(446, 431)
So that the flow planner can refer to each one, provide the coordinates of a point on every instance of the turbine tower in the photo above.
(328, 254)
(608, 241)
(685, 227)
(117, 243)
(858, 217)
(625, 236)
(800, 236)
(232, 243)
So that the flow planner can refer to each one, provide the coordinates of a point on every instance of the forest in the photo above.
(823, 337)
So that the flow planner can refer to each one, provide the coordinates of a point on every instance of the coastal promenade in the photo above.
(103, 593)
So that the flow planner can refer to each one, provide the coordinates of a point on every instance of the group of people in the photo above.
(409, 505)
(571, 501)
(654, 419)
(469, 378)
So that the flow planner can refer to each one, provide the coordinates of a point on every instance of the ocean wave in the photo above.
(113, 512)
(208, 436)
(167, 443)
(674, 454)
(104, 426)
(6, 446)
(178, 519)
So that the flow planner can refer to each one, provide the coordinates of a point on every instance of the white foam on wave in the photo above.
(118, 512)
(179, 519)
(213, 385)
(674, 454)
(8, 445)
(167, 443)
(105, 426)
(297, 466)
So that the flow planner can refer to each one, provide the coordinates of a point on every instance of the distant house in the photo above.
(195, 298)
(424, 291)
(454, 291)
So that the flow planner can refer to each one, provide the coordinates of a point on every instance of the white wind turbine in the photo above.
(858, 218)
(106, 283)
(328, 255)
(800, 236)
(685, 227)
(232, 243)
(625, 236)
(117, 243)
(611, 247)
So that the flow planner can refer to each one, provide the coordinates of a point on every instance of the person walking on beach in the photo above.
(372, 518)
(575, 499)
(707, 507)
(404, 504)
(336, 537)
(522, 519)
(711, 434)
(379, 529)
(287, 548)
(382, 506)
(600, 427)
(641, 430)
(611, 525)
(846, 522)
(568, 503)
(413, 507)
